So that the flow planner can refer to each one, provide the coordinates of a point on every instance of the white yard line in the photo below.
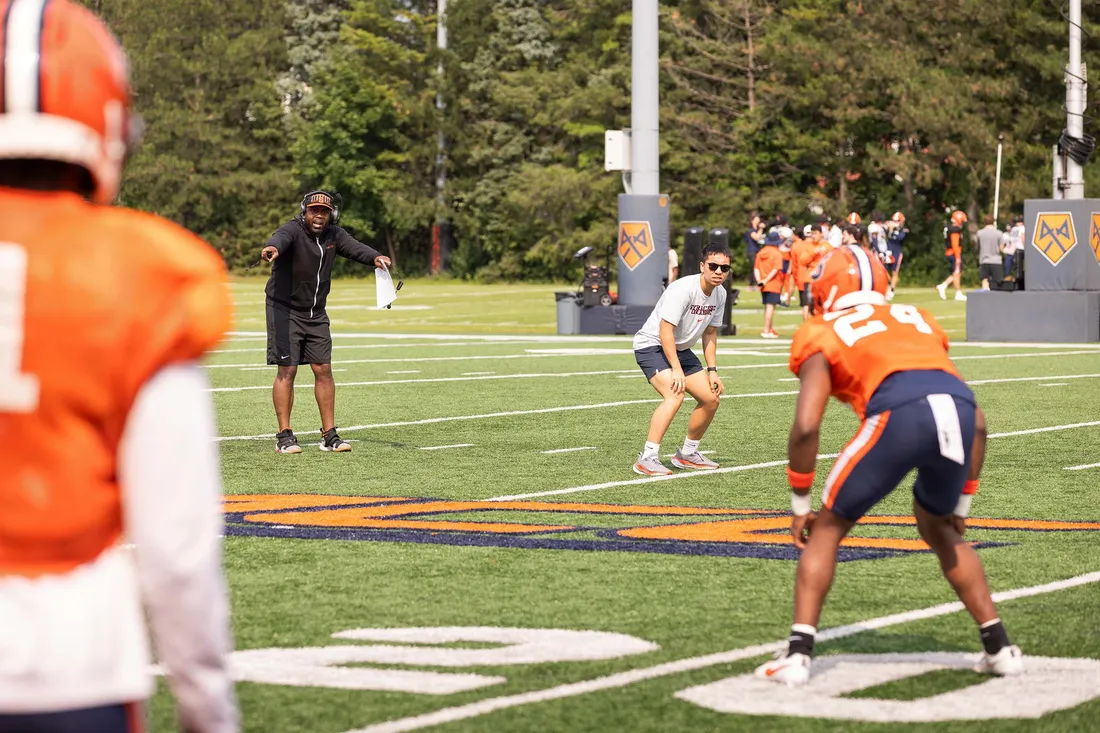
(569, 450)
(476, 374)
(429, 380)
(1082, 467)
(629, 677)
(1032, 379)
(1054, 384)
(406, 371)
(543, 411)
(445, 447)
(739, 469)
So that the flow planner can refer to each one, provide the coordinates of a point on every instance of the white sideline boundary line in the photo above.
(445, 447)
(1081, 467)
(550, 338)
(747, 467)
(568, 450)
(622, 679)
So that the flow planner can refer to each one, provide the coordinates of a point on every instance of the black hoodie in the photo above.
(300, 275)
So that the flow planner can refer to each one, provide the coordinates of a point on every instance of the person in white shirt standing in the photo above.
(690, 308)
(673, 265)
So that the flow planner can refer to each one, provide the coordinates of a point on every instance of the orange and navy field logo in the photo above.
(1054, 235)
(1094, 236)
(635, 242)
(716, 532)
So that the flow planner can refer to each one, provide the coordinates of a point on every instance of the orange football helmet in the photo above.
(958, 218)
(854, 218)
(65, 91)
(848, 276)
(898, 217)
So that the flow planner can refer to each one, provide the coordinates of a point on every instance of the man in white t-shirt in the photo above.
(673, 265)
(690, 308)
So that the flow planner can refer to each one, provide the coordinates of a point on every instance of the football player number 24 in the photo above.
(853, 325)
(18, 391)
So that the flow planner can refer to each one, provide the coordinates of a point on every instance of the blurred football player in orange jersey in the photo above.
(889, 362)
(106, 425)
(952, 235)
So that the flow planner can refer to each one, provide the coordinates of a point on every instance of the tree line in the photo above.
(778, 106)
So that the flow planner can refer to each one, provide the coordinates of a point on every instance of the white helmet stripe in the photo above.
(866, 276)
(22, 51)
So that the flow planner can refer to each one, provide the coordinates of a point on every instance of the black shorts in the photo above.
(293, 339)
(124, 718)
(769, 298)
(652, 360)
(804, 298)
(994, 272)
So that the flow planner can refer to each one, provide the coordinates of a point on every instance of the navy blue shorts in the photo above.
(895, 256)
(770, 298)
(652, 360)
(954, 265)
(932, 434)
(805, 297)
(786, 266)
(127, 718)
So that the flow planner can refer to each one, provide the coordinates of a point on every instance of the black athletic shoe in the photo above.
(330, 441)
(285, 442)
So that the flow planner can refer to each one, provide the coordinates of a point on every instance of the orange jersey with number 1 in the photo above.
(867, 343)
(94, 301)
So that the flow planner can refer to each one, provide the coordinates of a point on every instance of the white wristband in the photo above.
(800, 504)
(962, 509)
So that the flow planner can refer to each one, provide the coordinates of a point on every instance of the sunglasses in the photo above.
(715, 267)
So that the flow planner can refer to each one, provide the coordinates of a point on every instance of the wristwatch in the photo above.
(712, 369)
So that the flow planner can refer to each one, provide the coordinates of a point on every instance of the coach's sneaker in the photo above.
(695, 459)
(330, 441)
(942, 290)
(959, 295)
(285, 442)
(651, 466)
(1005, 663)
(792, 670)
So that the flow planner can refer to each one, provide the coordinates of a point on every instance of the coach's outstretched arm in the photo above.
(172, 502)
(349, 247)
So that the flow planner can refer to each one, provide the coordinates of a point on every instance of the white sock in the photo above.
(690, 446)
(651, 450)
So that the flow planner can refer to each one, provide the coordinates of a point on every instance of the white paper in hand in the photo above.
(383, 285)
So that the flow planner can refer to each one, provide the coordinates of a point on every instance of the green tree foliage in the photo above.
(790, 106)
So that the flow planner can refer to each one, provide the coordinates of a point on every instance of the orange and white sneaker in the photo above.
(1008, 662)
(792, 670)
(695, 460)
(651, 466)
(769, 335)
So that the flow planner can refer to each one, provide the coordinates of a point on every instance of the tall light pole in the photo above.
(441, 145)
(997, 184)
(645, 177)
(1074, 185)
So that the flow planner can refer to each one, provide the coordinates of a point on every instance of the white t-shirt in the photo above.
(684, 305)
(836, 237)
(673, 263)
(877, 234)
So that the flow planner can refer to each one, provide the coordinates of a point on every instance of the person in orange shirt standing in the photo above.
(889, 362)
(768, 270)
(952, 233)
(105, 415)
(806, 253)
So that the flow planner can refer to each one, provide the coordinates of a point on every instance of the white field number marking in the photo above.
(849, 333)
(322, 666)
(1048, 684)
(18, 391)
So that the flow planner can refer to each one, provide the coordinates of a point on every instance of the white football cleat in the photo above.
(792, 670)
(1008, 662)
(942, 290)
(889, 293)
(959, 295)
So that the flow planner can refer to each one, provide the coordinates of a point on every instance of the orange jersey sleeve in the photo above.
(768, 259)
(866, 344)
(804, 254)
(108, 297)
(954, 242)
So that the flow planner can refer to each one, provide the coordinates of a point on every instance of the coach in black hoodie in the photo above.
(302, 253)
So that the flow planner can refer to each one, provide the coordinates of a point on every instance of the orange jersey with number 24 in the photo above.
(867, 343)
